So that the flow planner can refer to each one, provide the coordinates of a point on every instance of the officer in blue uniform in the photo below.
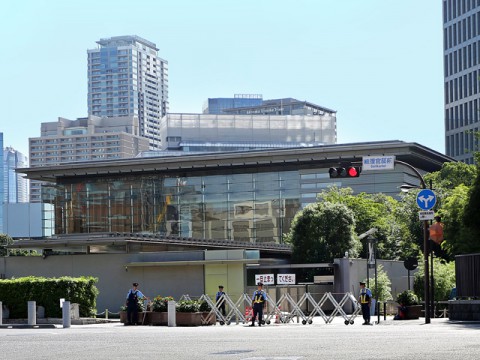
(365, 299)
(132, 304)
(259, 300)
(220, 293)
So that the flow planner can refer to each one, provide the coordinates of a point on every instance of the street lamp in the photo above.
(405, 188)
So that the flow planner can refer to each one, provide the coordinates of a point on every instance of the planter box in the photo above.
(140, 318)
(189, 319)
(158, 318)
(208, 319)
(413, 312)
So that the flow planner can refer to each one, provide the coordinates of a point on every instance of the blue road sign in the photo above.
(426, 199)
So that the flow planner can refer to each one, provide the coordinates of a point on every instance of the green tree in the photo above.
(4, 241)
(321, 232)
(383, 283)
(374, 211)
(443, 279)
(471, 217)
(452, 212)
(7, 240)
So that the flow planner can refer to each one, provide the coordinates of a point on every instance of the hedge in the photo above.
(47, 292)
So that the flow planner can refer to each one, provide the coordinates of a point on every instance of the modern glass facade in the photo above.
(211, 132)
(15, 185)
(127, 78)
(461, 47)
(217, 105)
(252, 207)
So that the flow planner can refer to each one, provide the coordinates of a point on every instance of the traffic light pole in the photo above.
(425, 247)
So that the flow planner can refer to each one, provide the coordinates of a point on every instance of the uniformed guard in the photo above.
(259, 301)
(219, 295)
(365, 301)
(132, 304)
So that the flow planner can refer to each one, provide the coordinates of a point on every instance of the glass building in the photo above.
(238, 196)
(217, 105)
(212, 132)
(15, 185)
(126, 77)
(461, 50)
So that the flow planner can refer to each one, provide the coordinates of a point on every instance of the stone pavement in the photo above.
(389, 340)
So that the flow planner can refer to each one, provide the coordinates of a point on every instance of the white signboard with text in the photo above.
(378, 163)
(266, 279)
(285, 279)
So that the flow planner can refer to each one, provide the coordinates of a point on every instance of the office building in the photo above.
(217, 105)
(84, 139)
(15, 186)
(242, 197)
(219, 133)
(461, 45)
(126, 77)
(284, 106)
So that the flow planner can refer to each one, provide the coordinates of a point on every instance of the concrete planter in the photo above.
(189, 319)
(466, 310)
(158, 318)
(413, 312)
(208, 320)
(141, 317)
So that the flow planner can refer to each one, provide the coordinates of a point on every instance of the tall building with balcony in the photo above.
(84, 139)
(15, 186)
(126, 77)
(461, 49)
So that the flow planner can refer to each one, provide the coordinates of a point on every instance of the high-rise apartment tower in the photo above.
(126, 77)
(461, 49)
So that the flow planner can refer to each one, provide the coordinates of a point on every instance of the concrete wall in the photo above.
(231, 276)
(349, 272)
(114, 278)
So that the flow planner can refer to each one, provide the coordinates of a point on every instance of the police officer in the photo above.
(132, 304)
(259, 300)
(219, 295)
(365, 301)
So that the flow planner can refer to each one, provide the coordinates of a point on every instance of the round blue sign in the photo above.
(426, 199)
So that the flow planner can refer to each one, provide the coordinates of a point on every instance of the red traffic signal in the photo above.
(345, 172)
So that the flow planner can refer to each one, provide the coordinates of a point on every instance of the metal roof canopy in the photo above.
(415, 154)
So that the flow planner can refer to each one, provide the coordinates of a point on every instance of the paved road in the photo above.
(390, 340)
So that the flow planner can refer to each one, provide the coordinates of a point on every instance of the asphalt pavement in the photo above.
(390, 339)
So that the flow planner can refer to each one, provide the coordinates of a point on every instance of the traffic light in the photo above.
(345, 172)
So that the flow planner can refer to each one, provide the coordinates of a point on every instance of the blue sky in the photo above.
(377, 62)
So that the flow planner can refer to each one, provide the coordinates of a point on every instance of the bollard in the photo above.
(172, 319)
(32, 313)
(1, 313)
(66, 314)
(106, 314)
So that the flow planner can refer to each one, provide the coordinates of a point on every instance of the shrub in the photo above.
(407, 298)
(384, 285)
(443, 278)
(204, 307)
(188, 306)
(160, 304)
(46, 292)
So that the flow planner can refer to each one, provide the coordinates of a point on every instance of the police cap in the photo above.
(260, 284)
(135, 284)
(362, 283)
